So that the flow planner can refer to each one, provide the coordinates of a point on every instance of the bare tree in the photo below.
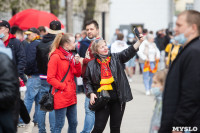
(89, 11)
(54, 7)
(17, 5)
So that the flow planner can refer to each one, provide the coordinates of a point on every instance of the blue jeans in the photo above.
(71, 113)
(148, 76)
(89, 117)
(32, 94)
(42, 114)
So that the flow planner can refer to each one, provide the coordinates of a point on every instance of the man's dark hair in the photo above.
(151, 32)
(120, 36)
(92, 22)
(145, 31)
(42, 28)
(19, 31)
(14, 29)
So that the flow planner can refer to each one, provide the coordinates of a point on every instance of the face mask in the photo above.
(130, 39)
(90, 39)
(2, 35)
(25, 36)
(181, 39)
(156, 91)
(80, 39)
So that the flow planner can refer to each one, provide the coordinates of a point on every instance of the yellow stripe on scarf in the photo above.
(107, 81)
(105, 87)
(106, 84)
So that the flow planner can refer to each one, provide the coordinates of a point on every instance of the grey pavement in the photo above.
(137, 115)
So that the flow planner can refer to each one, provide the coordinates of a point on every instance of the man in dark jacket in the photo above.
(33, 82)
(9, 94)
(18, 53)
(84, 44)
(181, 98)
(42, 57)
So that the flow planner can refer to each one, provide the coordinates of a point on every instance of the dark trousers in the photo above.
(115, 111)
(7, 122)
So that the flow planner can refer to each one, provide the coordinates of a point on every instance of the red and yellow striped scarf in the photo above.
(106, 75)
(148, 68)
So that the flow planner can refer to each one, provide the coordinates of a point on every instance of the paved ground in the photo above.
(137, 114)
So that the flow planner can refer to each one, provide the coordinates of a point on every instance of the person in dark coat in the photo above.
(84, 44)
(18, 52)
(181, 98)
(9, 92)
(106, 72)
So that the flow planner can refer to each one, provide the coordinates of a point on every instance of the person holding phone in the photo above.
(106, 72)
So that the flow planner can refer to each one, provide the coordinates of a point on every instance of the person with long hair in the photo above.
(62, 58)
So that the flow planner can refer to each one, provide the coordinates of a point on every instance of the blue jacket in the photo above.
(84, 44)
(19, 56)
(31, 65)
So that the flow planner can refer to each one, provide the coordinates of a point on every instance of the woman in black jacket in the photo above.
(106, 72)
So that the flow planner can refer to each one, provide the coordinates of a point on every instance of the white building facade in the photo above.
(150, 14)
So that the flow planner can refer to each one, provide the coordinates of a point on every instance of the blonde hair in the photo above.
(95, 45)
(59, 40)
(161, 76)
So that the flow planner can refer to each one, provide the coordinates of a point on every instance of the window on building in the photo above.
(189, 6)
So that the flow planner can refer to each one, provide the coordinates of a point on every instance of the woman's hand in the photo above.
(141, 39)
(138, 43)
(92, 98)
(77, 57)
(81, 60)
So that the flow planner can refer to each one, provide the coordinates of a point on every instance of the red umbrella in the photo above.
(32, 18)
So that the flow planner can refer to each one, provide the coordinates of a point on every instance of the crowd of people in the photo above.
(84, 62)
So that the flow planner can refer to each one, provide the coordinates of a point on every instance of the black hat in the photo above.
(55, 27)
(32, 30)
(5, 24)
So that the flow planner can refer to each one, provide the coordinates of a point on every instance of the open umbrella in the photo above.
(32, 18)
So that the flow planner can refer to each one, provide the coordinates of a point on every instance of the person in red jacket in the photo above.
(61, 58)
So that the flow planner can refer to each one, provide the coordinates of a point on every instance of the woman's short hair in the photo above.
(95, 45)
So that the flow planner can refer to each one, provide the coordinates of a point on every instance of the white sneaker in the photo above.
(147, 93)
(29, 127)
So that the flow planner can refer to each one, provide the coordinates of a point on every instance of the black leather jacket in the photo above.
(9, 88)
(9, 83)
(92, 76)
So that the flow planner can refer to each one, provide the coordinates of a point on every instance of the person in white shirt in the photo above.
(119, 45)
(149, 52)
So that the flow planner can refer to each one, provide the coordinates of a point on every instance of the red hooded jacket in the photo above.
(57, 68)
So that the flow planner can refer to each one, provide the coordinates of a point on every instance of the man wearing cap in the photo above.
(33, 82)
(18, 53)
(42, 55)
